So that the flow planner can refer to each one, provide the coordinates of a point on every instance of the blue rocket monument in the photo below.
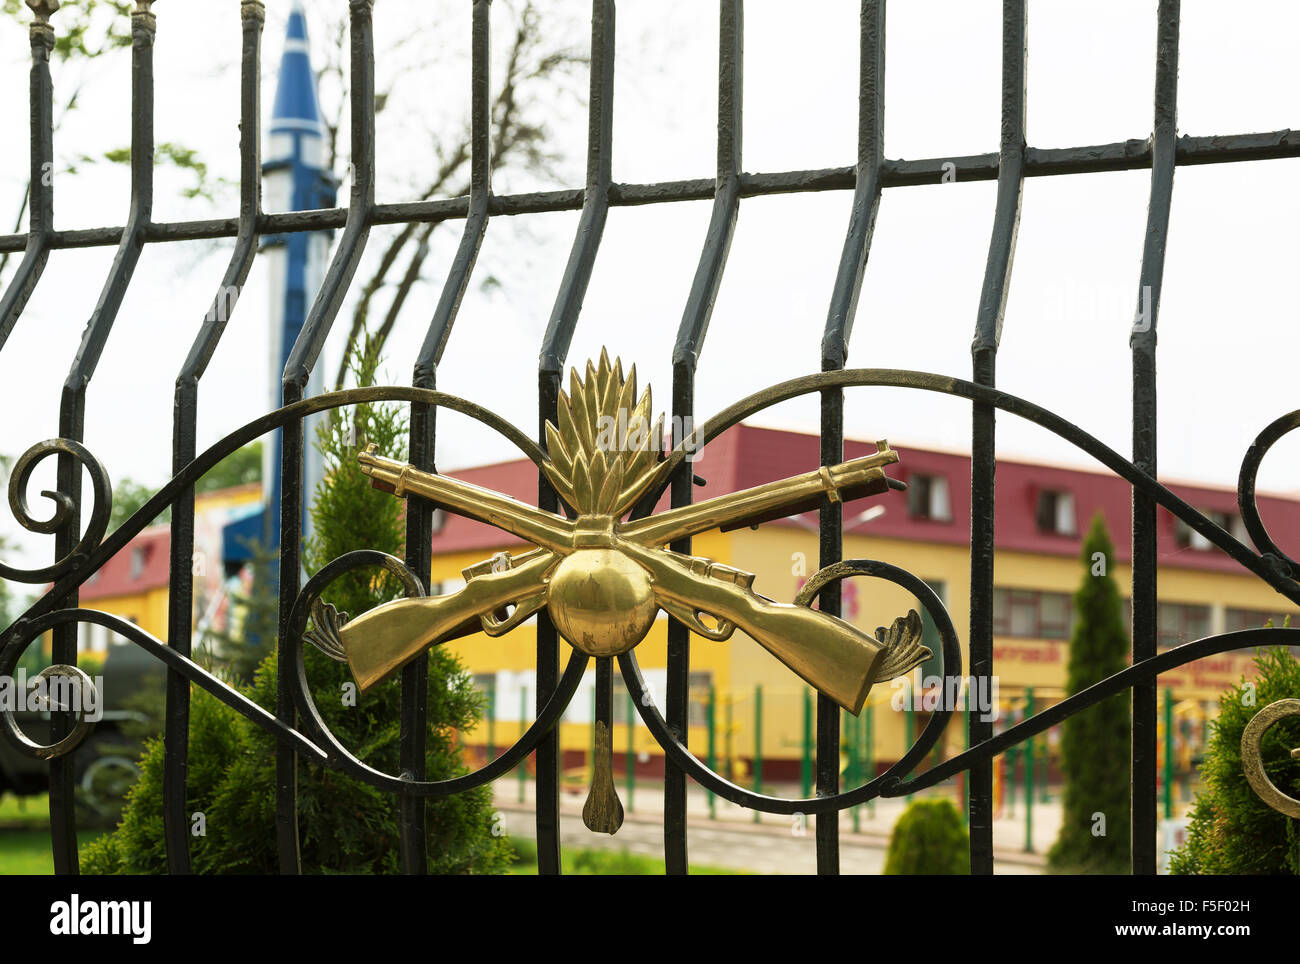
(294, 178)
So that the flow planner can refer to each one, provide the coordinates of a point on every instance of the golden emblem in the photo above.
(603, 577)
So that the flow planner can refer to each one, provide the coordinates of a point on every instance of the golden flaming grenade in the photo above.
(603, 577)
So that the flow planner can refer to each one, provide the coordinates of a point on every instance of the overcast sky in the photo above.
(1228, 327)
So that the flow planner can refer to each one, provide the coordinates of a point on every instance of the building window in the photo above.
(927, 498)
(438, 519)
(1178, 623)
(486, 683)
(1239, 619)
(1055, 513)
(697, 713)
(1230, 522)
(1030, 614)
(138, 556)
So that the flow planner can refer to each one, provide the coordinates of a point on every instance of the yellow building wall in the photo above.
(782, 557)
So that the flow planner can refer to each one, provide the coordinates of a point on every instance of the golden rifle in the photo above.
(604, 579)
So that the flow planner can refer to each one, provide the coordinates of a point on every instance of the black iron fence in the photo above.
(81, 547)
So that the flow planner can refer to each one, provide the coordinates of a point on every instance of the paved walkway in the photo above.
(774, 845)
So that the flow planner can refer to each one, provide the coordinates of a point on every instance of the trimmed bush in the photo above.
(345, 825)
(929, 839)
(1232, 830)
(1095, 743)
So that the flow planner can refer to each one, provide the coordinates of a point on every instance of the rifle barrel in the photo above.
(537, 526)
(849, 480)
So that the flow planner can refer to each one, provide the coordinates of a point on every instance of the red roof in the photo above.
(747, 455)
(140, 566)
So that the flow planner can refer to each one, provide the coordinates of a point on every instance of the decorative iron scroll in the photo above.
(890, 652)
(1252, 756)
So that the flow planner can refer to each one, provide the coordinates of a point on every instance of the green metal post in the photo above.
(909, 736)
(758, 743)
(851, 745)
(492, 722)
(523, 723)
(1011, 778)
(713, 761)
(1029, 776)
(1169, 754)
(869, 743)
(631, 753)
(805, 772)
(965, 783)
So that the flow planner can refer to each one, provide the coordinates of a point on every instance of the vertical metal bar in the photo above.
(988, 334)
(555, 347)
(1142, 342)
(686, 353)
(422, 444)
(185, 417)
(523, 725)
(866, 190)
(72, 408)
(40, 222)
(835, 347)
(830, 550)
(603, 712)
(712, 758)
(629, 776)
(302, 358)
(1030, 765)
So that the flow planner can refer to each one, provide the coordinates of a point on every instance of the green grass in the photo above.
(25, 848)
(24, 813)
(25, 835)
(584, 862)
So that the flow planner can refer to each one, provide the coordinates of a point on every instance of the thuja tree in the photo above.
(346, 826)
(1094, 835)
(1232, 830)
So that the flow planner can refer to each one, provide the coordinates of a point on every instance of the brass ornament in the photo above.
(1252, 756)
(603, 578)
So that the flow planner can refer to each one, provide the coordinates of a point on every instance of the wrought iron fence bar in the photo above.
(546, 758)
(988, 334)
(1142, 341)
(40, 178)
(184, 428)
(866, 190)
(834, 351)
(72, 408)
(689, 343)
(302, 358)
(830, 550)
(1130, 155)
(423, 430)
(555, 347)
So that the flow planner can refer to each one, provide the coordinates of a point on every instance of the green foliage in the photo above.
(129, 497)
(82, 28)
(346, 826)
(1095, 743)
(929, 839)
(240, 467)
(348, 513)
(1232, 830)
(177, 155)
(255, 621)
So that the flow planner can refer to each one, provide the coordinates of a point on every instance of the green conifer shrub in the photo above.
(929, 839)
(1232, 830)
(345, 825)
(1095, 742)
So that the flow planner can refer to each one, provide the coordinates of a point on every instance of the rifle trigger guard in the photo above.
(691, 618)
(523, 609)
